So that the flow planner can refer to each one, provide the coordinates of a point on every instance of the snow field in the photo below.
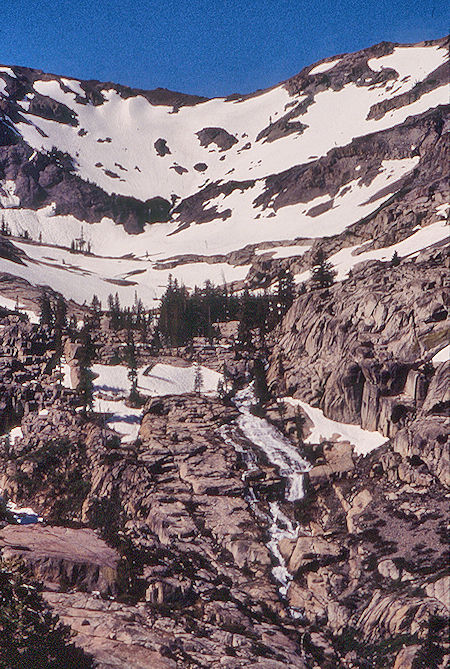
(324, 428)
(162, 379)
(133, 125)
(345, 259)
(413, 64)
(79, 277)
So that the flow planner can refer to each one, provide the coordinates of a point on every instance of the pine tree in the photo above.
(130, 359)
(60, 313)
(31, 637)
(395, 260)
(259, 373)
(286, 291)
(198, 379)
(322, 272)
(300, 422)
(96, 307)
(220, 389)
(46, 313)
(5, 230)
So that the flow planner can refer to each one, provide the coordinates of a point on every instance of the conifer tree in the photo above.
(259, 373)
(130, 359)
(31, 637)
(286, 291)
(300, 422)
(60, 313)
(395, 260)
(198, 379)
(46, 312)
(322, 272)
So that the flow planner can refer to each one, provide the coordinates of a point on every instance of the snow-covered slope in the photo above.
(290, 163)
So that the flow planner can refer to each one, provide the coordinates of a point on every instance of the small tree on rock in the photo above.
(322, 272)
(395, 260)
(130, 358)
(198, 379)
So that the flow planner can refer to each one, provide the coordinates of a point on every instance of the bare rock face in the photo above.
(63, 557)
(350, 351)
(161, 147)
(217, 136)
(426, 441)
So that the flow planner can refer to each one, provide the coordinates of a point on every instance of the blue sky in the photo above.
(208, 47)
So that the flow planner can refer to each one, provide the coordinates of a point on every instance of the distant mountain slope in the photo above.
(351, 150)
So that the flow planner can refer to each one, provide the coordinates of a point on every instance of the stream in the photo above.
(291, 466)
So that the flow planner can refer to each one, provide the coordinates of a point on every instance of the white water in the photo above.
(279, 450)
(281, 453)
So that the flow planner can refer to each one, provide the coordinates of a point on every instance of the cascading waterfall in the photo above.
(281, 453)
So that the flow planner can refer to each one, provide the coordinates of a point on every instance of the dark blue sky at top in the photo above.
(207, 47)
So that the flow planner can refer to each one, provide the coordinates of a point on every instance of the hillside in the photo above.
(352, 150)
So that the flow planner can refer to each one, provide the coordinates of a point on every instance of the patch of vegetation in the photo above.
(59, 468)
(31, 637)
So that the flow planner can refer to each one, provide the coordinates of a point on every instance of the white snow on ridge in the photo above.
(345, 259)
(74, 85)
(324, 428)
(8, 70)
(413, 64)
(120, 133)
(325, 67)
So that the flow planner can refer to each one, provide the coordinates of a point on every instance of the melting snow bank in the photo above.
(112, 387)
(324, 428)
(280, 452)
(23, 516)
(442, 356)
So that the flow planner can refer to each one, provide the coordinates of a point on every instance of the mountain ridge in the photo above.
(286, 160)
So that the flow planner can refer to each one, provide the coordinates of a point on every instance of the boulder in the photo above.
(62, 557)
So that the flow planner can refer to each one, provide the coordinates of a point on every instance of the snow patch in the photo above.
(442, 356)
(325, 67)
(413, 64)
(15, 305)
(112, 387)
(324, 429)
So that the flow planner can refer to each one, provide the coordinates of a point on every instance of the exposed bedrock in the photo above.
(42, 179)
(362, 350)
